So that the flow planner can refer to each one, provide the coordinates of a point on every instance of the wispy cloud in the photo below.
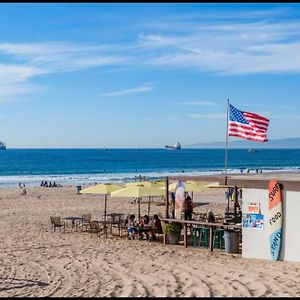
(226, 42)
(197, 103)
(146, 87)
(265, 43)
(208, 116)
(24, 61)
(62, 56)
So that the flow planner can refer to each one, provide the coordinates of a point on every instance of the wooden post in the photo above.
(185, 235)
(167, 197)
(211, 246)
(105, 200)
(235, 202)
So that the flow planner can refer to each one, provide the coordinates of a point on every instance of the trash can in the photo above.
(231, 239)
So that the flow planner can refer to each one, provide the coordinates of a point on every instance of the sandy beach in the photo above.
(35, 261)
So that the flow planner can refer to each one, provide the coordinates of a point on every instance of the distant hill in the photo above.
(280, 143)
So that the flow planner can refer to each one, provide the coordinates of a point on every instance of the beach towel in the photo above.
(179, 200)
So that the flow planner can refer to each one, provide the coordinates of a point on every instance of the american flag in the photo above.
(247, 125)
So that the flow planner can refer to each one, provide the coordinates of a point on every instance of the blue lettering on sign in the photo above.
(275, 243)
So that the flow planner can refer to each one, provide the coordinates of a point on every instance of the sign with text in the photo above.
(254, 208)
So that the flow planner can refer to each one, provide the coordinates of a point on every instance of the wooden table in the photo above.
(73, 219)
(113, 215)
(189, 223)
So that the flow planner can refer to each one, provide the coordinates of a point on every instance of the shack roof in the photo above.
(289, 180)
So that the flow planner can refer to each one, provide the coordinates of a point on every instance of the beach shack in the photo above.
(270, 214)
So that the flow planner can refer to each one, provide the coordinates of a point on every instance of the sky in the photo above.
(93, 75)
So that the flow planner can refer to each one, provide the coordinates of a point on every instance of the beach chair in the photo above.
(58, 223)
(98, 228)
(84, 222)
(124, 227)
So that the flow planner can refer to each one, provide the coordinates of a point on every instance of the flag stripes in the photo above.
(247, 125)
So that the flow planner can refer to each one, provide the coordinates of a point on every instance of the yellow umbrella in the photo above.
(103, 189)
(137, 191)
(146, 183)
(190, 186)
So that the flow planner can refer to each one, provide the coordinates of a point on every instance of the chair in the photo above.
(218, 238)
(202, 235)
(124, 227)
(57, 222)
(84, 222)
(95, 227)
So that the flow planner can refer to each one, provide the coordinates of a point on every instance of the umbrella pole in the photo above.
(149, 206)
(105, 207)
(139, 209)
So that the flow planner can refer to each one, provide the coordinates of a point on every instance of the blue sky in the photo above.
(144, 75)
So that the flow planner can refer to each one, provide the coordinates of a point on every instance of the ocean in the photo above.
(80, 166)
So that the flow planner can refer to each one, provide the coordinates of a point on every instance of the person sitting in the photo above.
(144, 224)
(50, 184)
(156, 227)
(42, 183)
(132, 227)
(211, 217)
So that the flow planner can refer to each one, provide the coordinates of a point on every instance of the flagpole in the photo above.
(226, 147)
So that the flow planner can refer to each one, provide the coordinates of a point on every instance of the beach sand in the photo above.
(35, 261)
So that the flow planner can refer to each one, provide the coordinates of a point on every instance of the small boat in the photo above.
(2, 146)
(252, 151)
(175, 147)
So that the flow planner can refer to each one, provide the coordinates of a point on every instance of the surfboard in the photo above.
(275, 218)
(179, 200)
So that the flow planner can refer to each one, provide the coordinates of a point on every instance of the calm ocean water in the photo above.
(78, 166)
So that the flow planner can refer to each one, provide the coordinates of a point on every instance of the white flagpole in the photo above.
(226, 147)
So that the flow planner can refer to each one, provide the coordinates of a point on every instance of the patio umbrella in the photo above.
(190, 186)
(146, 183)
(102, 189)
(138, 191)
(153, 184)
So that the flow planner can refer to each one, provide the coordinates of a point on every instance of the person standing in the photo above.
(188, 208)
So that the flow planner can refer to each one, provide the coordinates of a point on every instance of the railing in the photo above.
(189, 223)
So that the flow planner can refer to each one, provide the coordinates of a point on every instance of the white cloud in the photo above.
(9, 92)
(11, 73)
(262, 44)
(146, 87)
(62, 56)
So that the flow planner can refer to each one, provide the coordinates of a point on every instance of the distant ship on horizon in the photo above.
(175, 147)
(2, 146)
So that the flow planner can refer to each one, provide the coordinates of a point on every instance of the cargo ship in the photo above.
(2, 146)
(175, 147)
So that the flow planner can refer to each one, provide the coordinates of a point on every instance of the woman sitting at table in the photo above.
(156, 227)
(132, 227)
(144, 227)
